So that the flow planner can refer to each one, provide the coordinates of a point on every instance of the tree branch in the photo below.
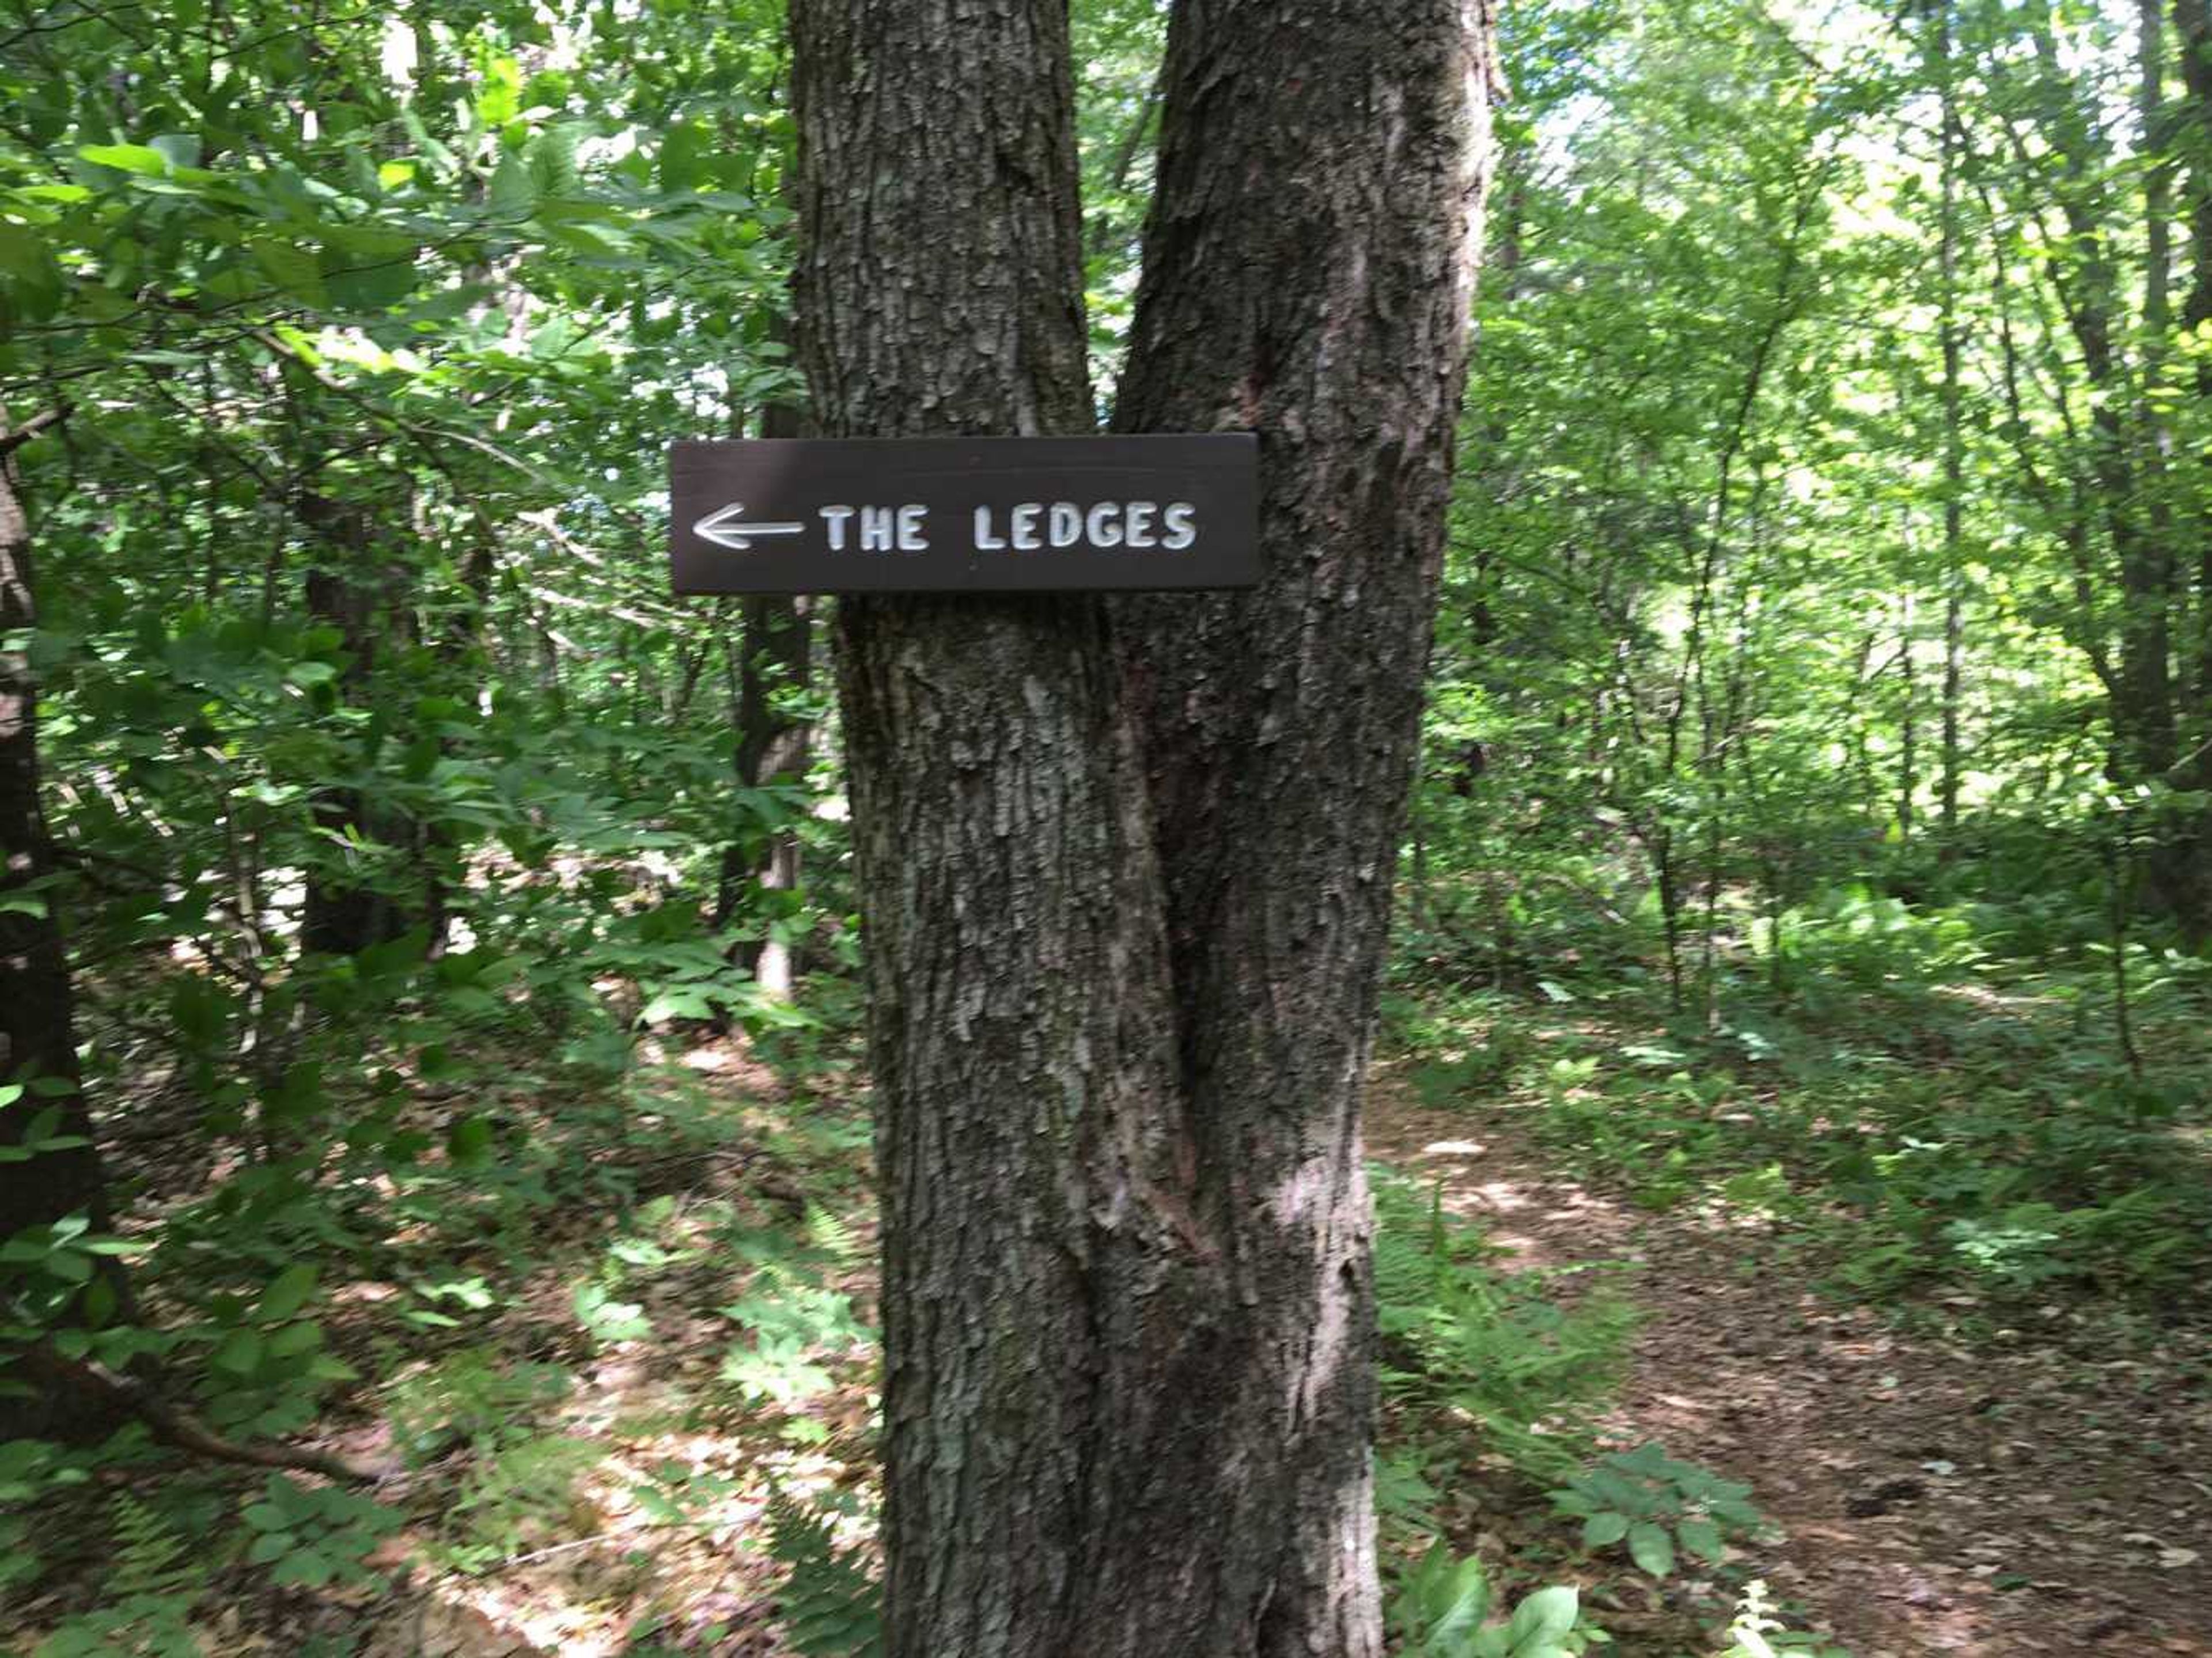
(10, 441)
(172, 1427)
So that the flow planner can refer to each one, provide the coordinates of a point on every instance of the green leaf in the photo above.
(513, 193)
(1649, 1459)
(69, 1265)
(678, 1004)
(31, 281)
(1703, 1538)
(128, 158)
(287, 1293)
(1546, 1615)
(1617, 1491)
(373, 287)
(239, 1354)
(305, 1567)
(468, 1140)
(551, 158)
(179, 148)
(295, 1339)
(679, 155)
(500, 99)
(1651, 1549)
(1602, 1529)
(293, 268)
(1458, 1602)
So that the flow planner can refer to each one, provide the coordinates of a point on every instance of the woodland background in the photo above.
(1804, 913)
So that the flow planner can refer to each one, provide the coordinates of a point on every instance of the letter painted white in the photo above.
(1181, 521)
(986, 539)
(910, 527)
(877, 529)
(1021, 526)
(834, 517)
(1102, 527)
(1065, 523)
(1140, 523)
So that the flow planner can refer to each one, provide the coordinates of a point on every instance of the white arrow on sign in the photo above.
(719, 528)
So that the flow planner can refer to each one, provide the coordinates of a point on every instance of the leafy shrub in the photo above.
(1653, 1502)
(516, 1496)
(1443, 1607)
(468, 1398)
(313, 1535)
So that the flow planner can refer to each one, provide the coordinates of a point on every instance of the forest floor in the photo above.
(599, 1360)
(2025, 1495)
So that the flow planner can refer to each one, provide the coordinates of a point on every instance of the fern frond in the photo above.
(150, 1558)
(832, 1605)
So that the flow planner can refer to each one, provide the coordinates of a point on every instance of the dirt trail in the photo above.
(2005, 1501)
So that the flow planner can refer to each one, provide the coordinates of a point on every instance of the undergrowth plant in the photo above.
(1659, 1507)
(831, 1601)
(1913, 1130)
(158, 1579)
(1491, 1346)
(1756, 1632)
(1443, 1607)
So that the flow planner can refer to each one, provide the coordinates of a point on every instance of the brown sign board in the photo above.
(854, 515)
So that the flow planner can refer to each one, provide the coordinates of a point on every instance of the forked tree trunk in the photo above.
(1126, 869)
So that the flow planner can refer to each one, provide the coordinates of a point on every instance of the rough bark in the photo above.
(1018, 990)
(1125, 872)
(38, 1036)
(1307, 273)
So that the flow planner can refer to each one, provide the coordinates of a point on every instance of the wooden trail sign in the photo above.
(852, 515)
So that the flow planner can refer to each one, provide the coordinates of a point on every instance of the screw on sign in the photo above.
(800, 515)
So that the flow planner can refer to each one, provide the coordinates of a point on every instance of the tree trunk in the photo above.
(1328, 311)
(1126, 872)
(345, 588)
(1954, 573)
(38, 1040)
(777, 649)
(776, 654)
(1908, 719)
(2185, 873)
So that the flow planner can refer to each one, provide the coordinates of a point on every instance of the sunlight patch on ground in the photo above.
(1453, 1148)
